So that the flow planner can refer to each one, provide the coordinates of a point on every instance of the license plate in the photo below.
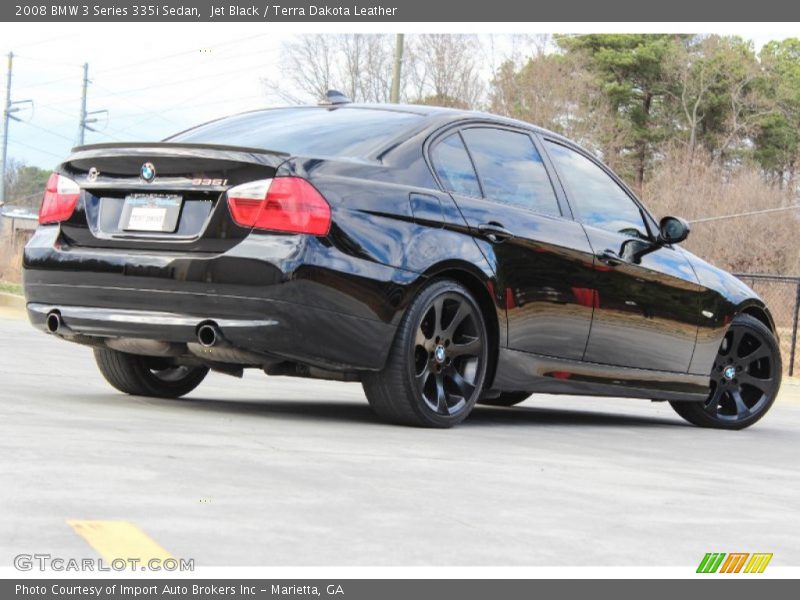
(148, 212)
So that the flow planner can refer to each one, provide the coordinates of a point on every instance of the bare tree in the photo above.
(748, 106)
(358, 65)
(556, 92)
(307, 63)
(696, 75)
(445, 70)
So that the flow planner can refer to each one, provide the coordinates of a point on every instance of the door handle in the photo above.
(610, 258)
(494, 232)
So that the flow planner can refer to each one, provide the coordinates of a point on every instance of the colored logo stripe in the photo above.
(711, 562)
(758, 562)
(734, 562)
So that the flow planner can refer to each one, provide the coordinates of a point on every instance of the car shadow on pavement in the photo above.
(353, 412)
(533, 415)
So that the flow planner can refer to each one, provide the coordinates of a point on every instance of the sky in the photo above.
(153, 79)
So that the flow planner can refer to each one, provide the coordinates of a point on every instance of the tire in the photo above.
(745, 379)
(506, 399)
(144, 376)
(438, 361)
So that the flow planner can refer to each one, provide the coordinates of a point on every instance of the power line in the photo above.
(29, 147)
(47, 40)
(745, 214)
(161, 58)
(50, 131)
(132, 102)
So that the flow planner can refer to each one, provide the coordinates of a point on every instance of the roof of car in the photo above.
(433, 116)
(445, 113)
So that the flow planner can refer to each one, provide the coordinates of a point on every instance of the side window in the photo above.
(599, 200)
(454, 168)
(511, 170)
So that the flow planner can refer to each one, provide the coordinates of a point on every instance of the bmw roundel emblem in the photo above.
(148, 172)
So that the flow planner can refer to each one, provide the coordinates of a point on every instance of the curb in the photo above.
(12, 301)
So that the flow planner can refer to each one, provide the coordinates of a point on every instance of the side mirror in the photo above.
(673, 230)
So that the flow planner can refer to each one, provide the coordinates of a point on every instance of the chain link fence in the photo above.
(782, 295)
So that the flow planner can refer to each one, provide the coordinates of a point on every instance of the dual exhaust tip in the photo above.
(54, 323)
(208, 333)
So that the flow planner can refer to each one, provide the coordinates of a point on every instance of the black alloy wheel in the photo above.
(438, 362)
(745, 378)
(448, 350)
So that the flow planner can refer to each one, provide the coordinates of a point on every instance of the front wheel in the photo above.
(745, 379)
(438, 361)
(146, 376)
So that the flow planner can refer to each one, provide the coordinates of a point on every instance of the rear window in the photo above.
(305, 131)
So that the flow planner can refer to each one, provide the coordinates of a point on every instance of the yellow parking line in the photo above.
(118, 539)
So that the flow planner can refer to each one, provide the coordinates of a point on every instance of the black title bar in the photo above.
(493, 11)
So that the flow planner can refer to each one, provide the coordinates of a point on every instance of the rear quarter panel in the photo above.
(393, 215)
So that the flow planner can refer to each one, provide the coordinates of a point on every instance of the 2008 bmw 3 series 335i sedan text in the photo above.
(441, 257)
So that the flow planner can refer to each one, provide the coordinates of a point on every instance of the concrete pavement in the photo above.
(279, 471)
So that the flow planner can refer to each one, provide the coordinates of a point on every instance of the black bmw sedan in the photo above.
(441, 257)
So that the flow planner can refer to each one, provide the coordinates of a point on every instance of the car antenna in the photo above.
(333, 98)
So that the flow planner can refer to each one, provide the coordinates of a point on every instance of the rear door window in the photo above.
(454, 167)
(511, 170)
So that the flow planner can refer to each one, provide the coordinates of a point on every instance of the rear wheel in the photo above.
(506, 399)
(147, 376)
(744, 380)
(438, 360)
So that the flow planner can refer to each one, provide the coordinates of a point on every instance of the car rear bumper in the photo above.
(312, 337)
(272, 300)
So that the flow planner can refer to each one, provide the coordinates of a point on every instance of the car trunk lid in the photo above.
(161, 195)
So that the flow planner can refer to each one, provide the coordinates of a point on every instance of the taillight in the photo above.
(289, 204)
(60, 198)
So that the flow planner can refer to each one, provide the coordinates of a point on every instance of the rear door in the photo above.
(541, 257)
(648, 296)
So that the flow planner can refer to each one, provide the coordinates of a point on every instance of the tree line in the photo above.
(628, 97)
(700, 125)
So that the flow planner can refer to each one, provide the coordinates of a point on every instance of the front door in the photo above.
(648, 297)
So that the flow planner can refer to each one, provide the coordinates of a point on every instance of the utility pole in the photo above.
(9, 108)
(6, 119)
(398, 65)
(87, 118)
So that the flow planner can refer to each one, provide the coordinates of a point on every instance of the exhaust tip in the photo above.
(53, 321)
(208, 335)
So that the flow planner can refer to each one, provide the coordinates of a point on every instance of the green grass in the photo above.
(11, 288)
